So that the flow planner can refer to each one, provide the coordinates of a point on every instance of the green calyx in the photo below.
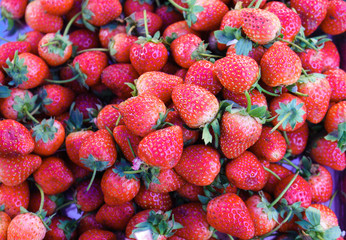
(25, 106)
(190, 12)
(92, 114)
(68, 227)
(7, 16)
(315, 43)
(75, 121)
(123, 169)
(161, 122)
(271, 212)
(45, 130)
(16, 70)
(201, 53)
(159, 224)
(94, 165)
(43, 97)
(58, 44)
(305, 78)
(133, 87)
(339, 136)
(4, 91)
(87, 15)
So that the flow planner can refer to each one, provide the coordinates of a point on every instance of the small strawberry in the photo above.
(51, 202)
(89, 200)
(8, 51)
(120, 45)
(330, 56)
(136, 23)
(57, 7)
(73, 143)
(108, 31)
(109, 117)
(32, 37)
(86, 103)
(147, 199)
(337, 82)
(168, 15)
(4, 222)
(97, 234)
(272, 181)
(298, 139)
(335, 117)
(334, 23)
(83, 39)
(321, 183)
(62, 227)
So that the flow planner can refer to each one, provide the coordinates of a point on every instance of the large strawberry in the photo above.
(321, 183)
(88, 201)
(334, 23)
(335, 117)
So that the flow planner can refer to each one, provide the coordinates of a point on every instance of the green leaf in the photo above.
(313, 215)
(68, 226)
(95, 164)
(304, 224)
(257, 112)
(45, 130)
(206, 135)
(75, 121)
(4, 92)
(16, 70)
(226, 35)
(243, 46)
(339, 136)
(2, 207)
(332, 233)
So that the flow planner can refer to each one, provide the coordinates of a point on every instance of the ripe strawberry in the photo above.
(57, 7)
(86, 103)
(131, 6)
(15, 139)
(141, 113)
(35, 15)
(51, 202)
(33, 38)
(321, 183)
(327, 153)
(229, 214)
(272, 181)
(299, 191)
(137, 21)
(4, 222)
(16, 170)
(12, 10)
(97, 234)
(84, 39)
(194, 219)
(330, 55)
(237, 73)
(298, 139)
(191, 192)
(88, 222)
(120, 45)
(256, 52)
(312, 60)
(335, 116)
(89, 200)
(337, 82)
(147, 199)
(275, 64)
(73, 143)
(14, 197)
(168, 15)
(109, 117)
(115, 217)
(311, 12)
(54, 182)
(199, 165)
(26, 226)
(27, 71)
(107, 32)
(178, 29)
(169, 181)
(8, 50)
(334, 23)
(257, 98)
(62, 227)
(158, 84)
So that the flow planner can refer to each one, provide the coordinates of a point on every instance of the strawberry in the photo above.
(158, 84)
(120, 45)
(311, 60)
(298, 139)
(4, 222)
(109, 117)
(299, 191)
(229, 214)
(178, 29)
(194, 219)
(321, 183)
(108, 31)
(169, 181)
(98, 13)
(116, 76)
(318, 90)
(57, 7)
(86, 103)
(33, 38)
(272, 181)
(289, 111)
(337, 82)
(115, 217)
(131, 6)
(97, 234)
(8, 50)
(147, 199)
(88, 222)
(202, 73)
(257, 98)
(334, 23)
(84, 39)
(138, 20)
(73, 143)
(190, 191)
(27, 71)
(275, 64)
(231, 71)
(142, 113)
(16, 170)
(35, 15)
(15, 139)
(256, 52)
(62, 227)
(199, 165)
(327, 153)
(162, 148)
(89, 200)
(311, 12)
(14, 198)
(26, 226)
(335, 117)
(330, 56)
(168, 15)
(51, 203)
(12, 11)
(54, 181)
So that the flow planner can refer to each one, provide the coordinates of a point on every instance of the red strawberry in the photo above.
(299, 191)
(97, 234)
(318, 90)
(168, 15)
(14, 197)
(169, 181)
(8, 50)
(330, 55)
(272, 181)
(12, 10)
(73, 143)
(50, 202)
(147, 199)
(199, 165)
(158, 84)
(178, 29)
(4, 222)
(85, 103)
(109, 117)
(312, 60)
(26, 226)
(321, 183)
(337, 82)
(246, 172)
(311, 12)
(16, 170)
(89, 200)
(280, 65)
(57, 7)
(141, 113)
(202, 73)
(32, 37)
(54, 176)
(84, 39)
(194, 219)
(335, 116)
(228, 214)
(88, 222)
(257, 98)
(15, 139)
(107, 32)
(137, 21)
(298, 139)
(120, 45)
(334, 23)
(190, 191)
(115, 217)
(256, 52)
(27, 71)
(62, 227)
(131, 6)
(35, 15)
(232, 19)
(162, 148)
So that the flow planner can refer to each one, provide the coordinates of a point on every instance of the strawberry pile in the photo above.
(194, 134)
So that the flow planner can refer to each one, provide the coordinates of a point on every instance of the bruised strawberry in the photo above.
(147, 199)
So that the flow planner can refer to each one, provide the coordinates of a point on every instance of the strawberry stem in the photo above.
(42, 197)
(93, 49)
(64, 205)
(69, 24)
(258, 4)
(30, 115)
(146, 24)
(62, 81)
(271, 172)
(284, 191)
(50, 43)
(284, 133)
(305, 73)
(260, 89)
(282, 120)
(248, 99)
(278, 226)
(92, 179)
(209, 55)
(157, 3)
(306, 42)
(178, 6)
(4, 39)
(287, 161)
(118, 120)
(129, 143)
(291, 43)
(133, 172)
(332, 199)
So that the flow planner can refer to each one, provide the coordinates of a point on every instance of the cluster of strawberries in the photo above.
(184, 136)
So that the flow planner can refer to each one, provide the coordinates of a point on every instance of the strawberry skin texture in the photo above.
(196, 105)
(56, 232)
(327, 153)
(54, 176)
(199, 164)
(194, 219)
(272, 181)
(246, 172)
(321, 183)
(140, 114)
(16, 170)
(89, 200)
(229, 214)
(131, 6)
(191, 191)
(255, 53)
(15, 8)
(257, 98)
(280, 65)
(107, 32)
(122, 44)
(62, 98)
(337, 82)
(34, 205)
(328, 217)
(335, 21)
(147, 199)
(15, 139)
(73, 143)
(298, 139)
(108, 117)
(335, 116)
(141, 216)
(169, 181)
(312, 60)
(238, 133)
(237, 73)
(4, 222)
(162, 148)
(26, 226)
(84, 39)
(88, 222)
(115, 217)
(300, 191)
(14, 198)
(261, 26)
(103, 11)
(180, 28)
(97, 234)
(7, 50)
(57, 7)
(331, 56)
